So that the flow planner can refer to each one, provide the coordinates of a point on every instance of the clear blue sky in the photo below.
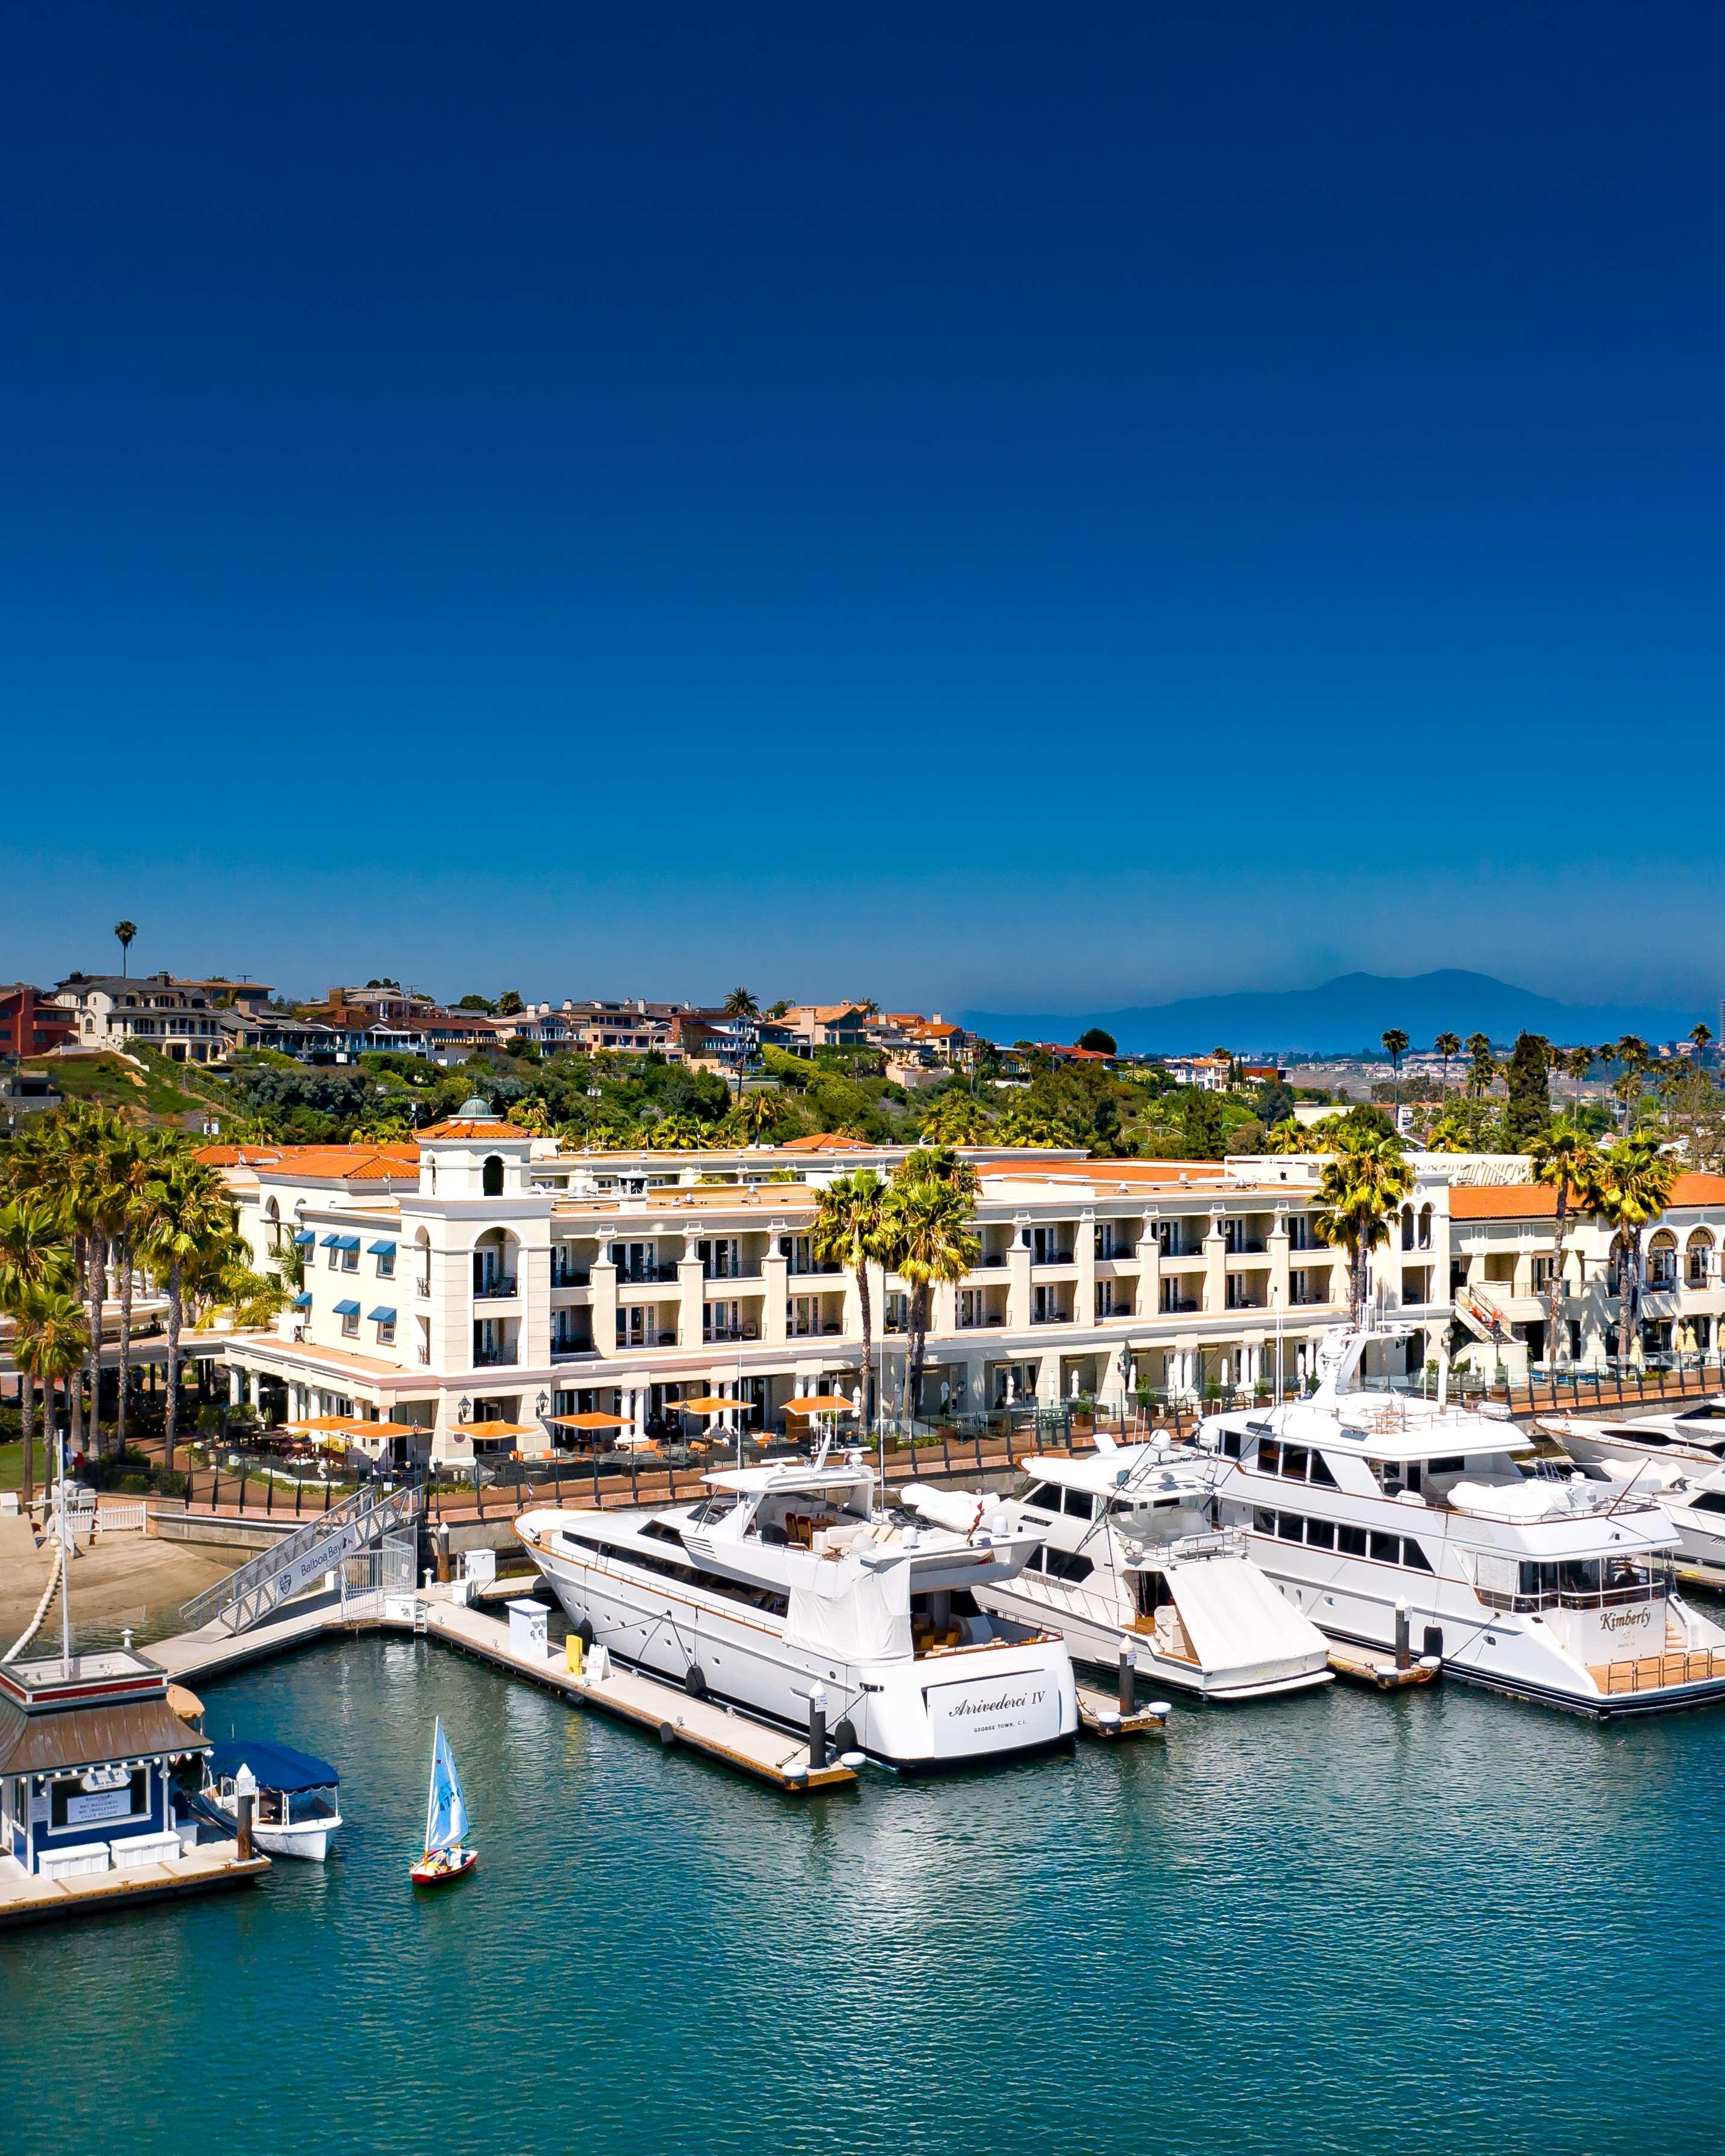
(1019, 507)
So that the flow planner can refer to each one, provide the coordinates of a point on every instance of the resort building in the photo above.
(477, 1283)
(31, 1024)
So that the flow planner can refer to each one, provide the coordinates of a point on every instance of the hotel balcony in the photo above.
(500, 1287)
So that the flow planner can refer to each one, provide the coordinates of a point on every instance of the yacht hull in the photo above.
(956, 1708)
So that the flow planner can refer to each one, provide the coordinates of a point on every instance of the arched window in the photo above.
(1407, 1227)
(1425, 1227)
(491, 1176)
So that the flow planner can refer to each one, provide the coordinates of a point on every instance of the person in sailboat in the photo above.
(446, 1822)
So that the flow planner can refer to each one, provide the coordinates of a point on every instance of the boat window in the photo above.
(1263, 1522)
(660, 1531)
(1063, 1564)
(1320, 1471)
(1386, 1548)
(1269, 1455)
(1230, 1445)
(1350, 1540)
(1579, 1576)
(1714, 1411)
(1321, 1534)
(1294, 1458)
(1045, 1494)
(714, 1508)
(1081, 1505)
(1413, 1555)
(1711, 1500)
(1289, 1527)
(1445, 1466)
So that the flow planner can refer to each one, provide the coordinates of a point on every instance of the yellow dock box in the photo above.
(571, 1654)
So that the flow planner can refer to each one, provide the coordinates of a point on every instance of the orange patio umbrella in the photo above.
(814, 1403)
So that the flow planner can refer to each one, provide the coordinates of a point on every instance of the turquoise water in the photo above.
(1432, 1923)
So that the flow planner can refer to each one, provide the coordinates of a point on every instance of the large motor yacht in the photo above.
(786, 1575)
(1128, 1553)
(1360, 1502)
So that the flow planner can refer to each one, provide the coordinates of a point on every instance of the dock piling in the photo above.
(1404, 1643)
(816, 1726)
(1129, 1692)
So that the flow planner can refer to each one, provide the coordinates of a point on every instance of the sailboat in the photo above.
(445, 1821)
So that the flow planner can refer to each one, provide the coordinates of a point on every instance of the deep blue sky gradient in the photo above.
(957, 504)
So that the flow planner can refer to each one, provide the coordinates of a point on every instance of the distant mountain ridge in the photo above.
(1347, 1016)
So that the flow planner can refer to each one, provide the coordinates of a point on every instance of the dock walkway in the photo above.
(27, 1898)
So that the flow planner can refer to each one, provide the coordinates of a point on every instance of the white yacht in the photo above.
(1555, 1587)
(786, 1575)
(1693, 1434)
(1128, 1552)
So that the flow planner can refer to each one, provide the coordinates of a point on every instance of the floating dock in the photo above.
(770, 1755)
(1099, 1716)
(26, 1897)
(1373, 1666)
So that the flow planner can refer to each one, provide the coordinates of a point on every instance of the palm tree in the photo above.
(1566, 1160)
(677, 1133)
(1577, 1064)
(1447, 1044)
(1482, 1069)
(1633, 1053)
(192, 1211)
(1630, 1190)
(955, 1119)
(33, 1258)
(1395, 1046)
(741, 1004)
(48, 1346)
(124, 931)
(755, 1114)
(1362, 1185)
(96, 1202)
(848, 1229)
(1702, 1036)
(927, 1237)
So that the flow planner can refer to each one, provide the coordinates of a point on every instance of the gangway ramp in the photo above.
(259, 1589)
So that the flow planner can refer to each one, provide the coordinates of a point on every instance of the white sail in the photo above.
(446, 1808)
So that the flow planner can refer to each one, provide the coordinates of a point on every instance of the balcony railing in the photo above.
(644, 1275)
(572, 1276)
(422, 1285)
(1052, 1258)
(710, 1274)
(815, 1265)
(500, 1287)
(1051, 1317)
(748, 1330)
(485, 1358)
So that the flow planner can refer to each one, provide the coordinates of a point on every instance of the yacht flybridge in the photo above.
(1556, 1588)
(1128, 1552)
(787, 1575)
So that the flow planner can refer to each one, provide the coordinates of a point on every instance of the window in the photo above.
(1444, 1466)
(1413, 1555)
(386, 1332)
(1386, 1549)
(1269, 1455)
(491, 1176)
(1080, 1505)
(65, 1794)
(1230, 1445)
(1319, 1534)
(1351, 1540)
(1045, 1495)
(1293, 1462)
(1320, 1471)
(1263, 1522)
(1290, 1528)
(386, 1263)
(349, 1255)
(1710, 1501)
(1062, 1564)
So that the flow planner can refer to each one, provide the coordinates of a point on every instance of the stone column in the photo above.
(1215, 1267)
(603, 1283)
(691, 1295)
(1018, 1277)
(236, 1384)
(1084, 1256)
(775, 1272)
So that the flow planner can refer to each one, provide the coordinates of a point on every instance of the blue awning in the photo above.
(340, 1242)
(347, 1310)
(305, 1239)
(302, 1302)
(380, 1316)
(380, 1250)
(275, 1766)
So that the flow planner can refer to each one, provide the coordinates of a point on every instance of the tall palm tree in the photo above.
(1395, 1046)
(927, 1237)
(1633, 1053)
(1578, 1063)
(1362, 1185)
(1447, 1044)
(755, 1114)
(847, 1230)
(1630, 1190)
(33, 1258)
(1567, 1161)
(192, 1211)
(1482, 1069)
(95, 1203)
(48, 1347)
(125, 932)
(740, 1004)
(1702, 1036)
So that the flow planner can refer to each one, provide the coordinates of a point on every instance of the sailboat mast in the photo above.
(431, 1782)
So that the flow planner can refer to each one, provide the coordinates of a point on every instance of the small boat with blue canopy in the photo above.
(296, 1811)
(445, 1857)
